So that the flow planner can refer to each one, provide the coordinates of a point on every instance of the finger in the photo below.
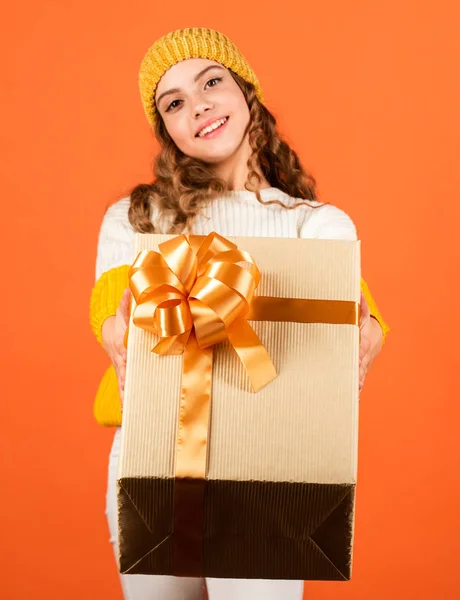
(119, 360)
(121, 385)
(120, 368)
(366, 364)
(363, 351)
(120, 346)
(364, 346)
(362, 376)
(121, 377)
(365, 312)
(125, 339)
(122, 321)
(121, 353)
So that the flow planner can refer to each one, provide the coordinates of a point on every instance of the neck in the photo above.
(235, 171)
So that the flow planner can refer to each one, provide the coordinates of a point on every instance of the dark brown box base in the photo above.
(252, 530)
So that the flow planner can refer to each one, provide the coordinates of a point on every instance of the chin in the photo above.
(218, 154)
(215, 159)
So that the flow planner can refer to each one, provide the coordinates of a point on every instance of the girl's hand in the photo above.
(113, 334)
(370, 341)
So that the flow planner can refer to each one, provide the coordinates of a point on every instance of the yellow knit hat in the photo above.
(189, 43)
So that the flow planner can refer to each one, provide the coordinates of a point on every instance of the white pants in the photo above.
(162, 587)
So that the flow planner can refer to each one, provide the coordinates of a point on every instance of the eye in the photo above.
(214, 81)
(171, 106)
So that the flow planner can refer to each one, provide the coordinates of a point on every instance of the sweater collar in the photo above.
(267, 194)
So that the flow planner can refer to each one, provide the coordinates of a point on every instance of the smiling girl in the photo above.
(222, 167)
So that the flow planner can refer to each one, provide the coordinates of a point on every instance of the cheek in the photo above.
(238, 107)
(176, 129)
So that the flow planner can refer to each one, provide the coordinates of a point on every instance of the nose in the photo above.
(202, 106)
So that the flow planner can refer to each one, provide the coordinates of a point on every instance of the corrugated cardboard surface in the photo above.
(282, 463)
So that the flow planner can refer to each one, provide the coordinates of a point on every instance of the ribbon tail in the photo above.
(252, 353)
(191, 459)
(174, 344)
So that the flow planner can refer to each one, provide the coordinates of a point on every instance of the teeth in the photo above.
(211, 127)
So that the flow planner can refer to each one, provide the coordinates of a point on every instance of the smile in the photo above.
(207, 132)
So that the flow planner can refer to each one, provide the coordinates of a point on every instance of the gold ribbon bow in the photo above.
(204, 290)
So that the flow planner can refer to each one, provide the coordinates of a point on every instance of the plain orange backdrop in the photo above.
(368, 94)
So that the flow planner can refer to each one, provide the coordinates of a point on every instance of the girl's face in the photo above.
(203, 109)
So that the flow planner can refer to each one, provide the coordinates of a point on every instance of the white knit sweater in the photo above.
(237, 213)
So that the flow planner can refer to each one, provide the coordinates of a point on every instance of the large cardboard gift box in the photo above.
(276, 497)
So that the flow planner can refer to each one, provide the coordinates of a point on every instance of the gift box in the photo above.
(216, 479)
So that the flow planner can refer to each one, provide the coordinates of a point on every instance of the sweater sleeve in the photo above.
(116, 238)
(328, 222)
(114, 257)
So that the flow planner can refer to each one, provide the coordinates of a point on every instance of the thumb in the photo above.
(124, 307)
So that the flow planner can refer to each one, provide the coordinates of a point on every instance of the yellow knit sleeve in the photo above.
(374, 308)
(107, 404)
(105, 299)
(106, 296)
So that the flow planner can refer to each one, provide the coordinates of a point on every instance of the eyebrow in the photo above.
(195, 79)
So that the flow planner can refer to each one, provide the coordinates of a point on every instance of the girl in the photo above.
(222, 167)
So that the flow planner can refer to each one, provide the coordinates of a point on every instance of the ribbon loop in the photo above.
(181, 260)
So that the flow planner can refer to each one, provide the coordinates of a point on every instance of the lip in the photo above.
(210, 122)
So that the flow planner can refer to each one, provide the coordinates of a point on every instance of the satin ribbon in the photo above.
(193, 294)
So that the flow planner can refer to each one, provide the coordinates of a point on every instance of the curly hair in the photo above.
(183, 184)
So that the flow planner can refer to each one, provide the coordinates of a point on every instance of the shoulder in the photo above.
(326, 221)
(118, 211)
(115, 222)
(116, 237)
(318, 220)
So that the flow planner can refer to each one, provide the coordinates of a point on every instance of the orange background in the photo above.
(368, 94)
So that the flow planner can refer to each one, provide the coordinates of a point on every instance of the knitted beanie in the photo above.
(189, 43)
